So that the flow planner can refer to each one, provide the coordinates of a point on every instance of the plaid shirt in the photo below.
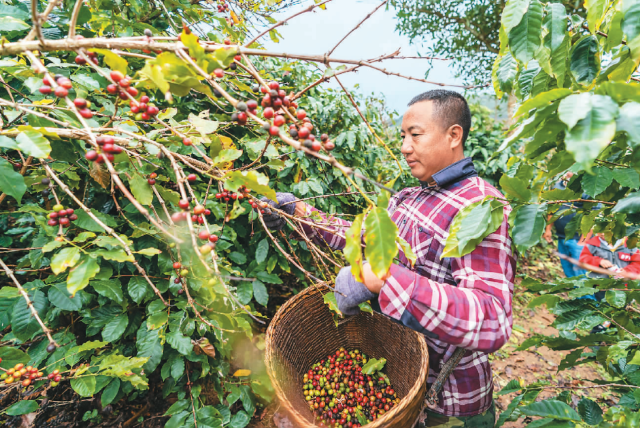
(455, 302)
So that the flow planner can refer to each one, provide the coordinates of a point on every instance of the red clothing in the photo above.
(595, 250)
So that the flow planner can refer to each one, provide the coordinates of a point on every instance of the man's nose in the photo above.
(406, 148)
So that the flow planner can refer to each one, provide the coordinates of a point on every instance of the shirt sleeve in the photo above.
(476, 314)
(634, 264)
(332, 232)
(588, 258)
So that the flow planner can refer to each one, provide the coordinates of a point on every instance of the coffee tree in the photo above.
(137, 142)
(578, 112)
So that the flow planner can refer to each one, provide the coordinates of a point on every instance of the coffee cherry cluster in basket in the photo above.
(347, 390)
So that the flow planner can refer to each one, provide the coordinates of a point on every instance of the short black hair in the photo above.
(451, 108)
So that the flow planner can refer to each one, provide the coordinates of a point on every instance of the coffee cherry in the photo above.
(80, 102)
(80, 60)
(329, 145)
(324, 137)
(205, 249)
(116, 75)
(73, 217)
(61, 92)
(112, 89)
(241, 106)
(52, 222)
(293, 133)
(125, 83)
(218, 72)
(191, 177)
(252, 104)
(151, 181)
(207, 212)
(184, 204)
(278, 121)
(213, 238)
(45, 90)
(227, 41)
(242, 117)
(184, 272)
(268, 113)
(86, 113)
(91, 155)
(51, 347)
(65, 83)
(199, 209)
(301, 114)
(132, 91)
(57, 207)
(274, 130)
(204, 235)
(274, 85)
(153, 110)
(57, 378)
(187, 141)
(145, 116)
(144, 99)
(234, 116)
(303, 133)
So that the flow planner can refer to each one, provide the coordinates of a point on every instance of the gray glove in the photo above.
(354, 292)
(273, 219)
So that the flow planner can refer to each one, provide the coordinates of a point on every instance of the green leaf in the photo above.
(113, 60)
(574, 108)
(110, 392)
(585, 60)
(598, 182)
(115, 328)
(9, 23)
(595, 13)
(12, 356)
(590, 412)
(509, 411)
(118, 255)
(513, 12)
(373, 365)
(24, 324)
(60, 298)
(87, 223)
(629, 205)
(262, 251)
(22, 407)
(629, 122)
(85, 386)
(8, 143)
(149, 252)
(141, 189)
(138, 289)
(526, 37)
(11, 182)
(353, 247)
(631, 28)
(226, 155)
(593, 133)
(179, 342)
(239, 420)
(551, 408)
(330, 300)
(65, 258)
(244, 292)
(551, 300)
(203, 126)
(81, 274)
(380, 238)
(361, 418)
(260, 292)
(515, 187)
(253, 180)
(543, 100)
(512, 386)
(149, 345)
(33, 144)
(168, 195)
(556, 24)
(528, 225)
(617, 299)
(471, 225)
(558, 60)
(506, 73)
(627, 177)
(407, 250)
(111, 289)
(268, 278)
(157, 320)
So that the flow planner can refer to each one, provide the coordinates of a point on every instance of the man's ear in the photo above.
(456, 133)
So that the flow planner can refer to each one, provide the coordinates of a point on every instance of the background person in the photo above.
(455, 302)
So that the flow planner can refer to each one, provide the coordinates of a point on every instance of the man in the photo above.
(572, 246)
(615, 258)
(455, 302)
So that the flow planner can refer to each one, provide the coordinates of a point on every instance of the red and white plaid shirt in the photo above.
(455, 302)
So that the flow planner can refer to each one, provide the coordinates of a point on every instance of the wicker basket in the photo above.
(303, 332)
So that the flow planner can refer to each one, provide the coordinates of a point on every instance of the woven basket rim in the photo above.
(279, 390)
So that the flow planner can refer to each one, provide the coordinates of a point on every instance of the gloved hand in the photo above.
(272, 219)
(354, 292)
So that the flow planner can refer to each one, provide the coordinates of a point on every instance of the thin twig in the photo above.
(357, 26)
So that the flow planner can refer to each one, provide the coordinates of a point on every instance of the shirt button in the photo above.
(404, 221)
(420, 228)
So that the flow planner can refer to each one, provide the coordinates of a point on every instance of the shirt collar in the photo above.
(452, 174)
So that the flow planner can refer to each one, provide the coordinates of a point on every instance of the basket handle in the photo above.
(432, 395)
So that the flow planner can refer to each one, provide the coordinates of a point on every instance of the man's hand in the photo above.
(606, 264)
(287, 203)
(373, 283)
(350, 293)
(548, 235)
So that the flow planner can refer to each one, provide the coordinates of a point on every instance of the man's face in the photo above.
(427, 145)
